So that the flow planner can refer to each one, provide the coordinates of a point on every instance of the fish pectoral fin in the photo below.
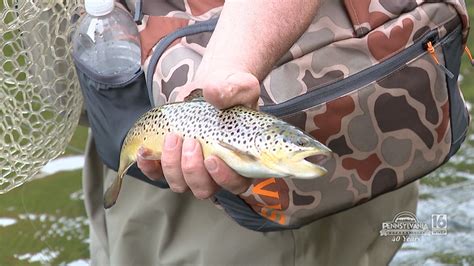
(149, 154)
(240, 153)
(270, 162)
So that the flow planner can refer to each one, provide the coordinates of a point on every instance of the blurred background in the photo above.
(44, 221)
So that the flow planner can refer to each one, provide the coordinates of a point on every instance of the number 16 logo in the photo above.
(439, 224)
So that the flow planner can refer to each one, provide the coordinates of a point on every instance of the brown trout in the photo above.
(254, 144)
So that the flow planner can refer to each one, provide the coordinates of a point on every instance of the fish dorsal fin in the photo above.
(195, 95)
(242, 154)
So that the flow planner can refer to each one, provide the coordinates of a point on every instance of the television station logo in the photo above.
(406, 227)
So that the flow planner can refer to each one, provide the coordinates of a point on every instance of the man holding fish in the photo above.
(153, 226)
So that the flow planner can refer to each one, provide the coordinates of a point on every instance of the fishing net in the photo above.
(40, 100)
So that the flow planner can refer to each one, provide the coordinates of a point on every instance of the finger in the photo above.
(237, 89)
(150, 168)
(194, 171)
(171, 163)
(225, 177)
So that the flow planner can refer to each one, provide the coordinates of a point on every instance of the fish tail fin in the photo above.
(111, 195)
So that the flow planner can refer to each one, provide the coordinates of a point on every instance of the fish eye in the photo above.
(302, 142)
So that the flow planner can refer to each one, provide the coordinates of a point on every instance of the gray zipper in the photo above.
(353, 82)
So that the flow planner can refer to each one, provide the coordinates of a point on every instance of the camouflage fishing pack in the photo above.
(374, 80)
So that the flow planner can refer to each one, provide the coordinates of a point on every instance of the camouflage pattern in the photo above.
(385, 134)
(367, 15)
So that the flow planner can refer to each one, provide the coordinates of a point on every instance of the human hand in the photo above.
(225, 88)
(182, 163)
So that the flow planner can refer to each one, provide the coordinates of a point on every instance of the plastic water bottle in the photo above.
(106, 41)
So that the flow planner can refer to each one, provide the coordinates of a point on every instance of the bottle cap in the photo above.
(99, 7)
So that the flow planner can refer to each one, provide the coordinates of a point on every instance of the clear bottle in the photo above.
(106, 41)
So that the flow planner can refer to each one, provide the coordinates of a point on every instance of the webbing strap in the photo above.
(198, 27)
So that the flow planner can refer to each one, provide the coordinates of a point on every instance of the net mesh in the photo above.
(40, 100)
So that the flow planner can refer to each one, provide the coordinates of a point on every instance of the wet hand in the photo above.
(184, 168)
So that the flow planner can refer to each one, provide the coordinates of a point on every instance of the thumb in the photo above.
(240, 88)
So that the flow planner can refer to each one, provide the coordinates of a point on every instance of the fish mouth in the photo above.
(314, 156)
(308, 164)
(318, 159)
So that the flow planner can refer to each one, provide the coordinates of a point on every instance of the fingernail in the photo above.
(189, 146)
(211, 164)
(171, 141)
(141, 152)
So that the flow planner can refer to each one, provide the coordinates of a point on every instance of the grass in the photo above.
(467, 70)
(62, 228)
(434, 181)
(425, 196)
(77, 144)
(453, 259)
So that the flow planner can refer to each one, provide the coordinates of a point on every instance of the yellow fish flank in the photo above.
(254, 144)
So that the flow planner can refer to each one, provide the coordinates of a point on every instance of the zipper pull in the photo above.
(468, 53)
(432, 52)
